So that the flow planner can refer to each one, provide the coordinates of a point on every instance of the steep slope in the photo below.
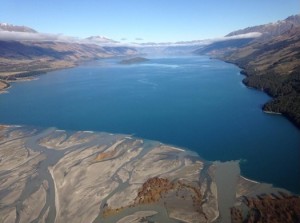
(273, 66)
(224, 46)
(266, 31)
(271, 29)
(270, 62)
(22, 59)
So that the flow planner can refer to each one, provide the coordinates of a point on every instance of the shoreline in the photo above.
(243, 71)
(247, 179)
(4, 86)
(152, 177)
(272, 113)
(26, 76)
(94, 197)
(7, 78)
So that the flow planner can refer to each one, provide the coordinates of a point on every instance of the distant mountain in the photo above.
(169, 48)
(58, 50)
(179, 50)
(100, 40)
(22, 59)
(13, 28)
(223, 46)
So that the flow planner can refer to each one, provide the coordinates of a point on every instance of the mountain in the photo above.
(58, 50)
(223, 46)
(23, 59)
(38, 53)
(264, 33)
(271, 29)
(273, 66)
(100, 40)
(13, 28)
(271, 63)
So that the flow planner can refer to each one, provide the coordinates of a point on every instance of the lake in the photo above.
(191, 102)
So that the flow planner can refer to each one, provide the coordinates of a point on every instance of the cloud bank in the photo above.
(26, 36)
(43, 37)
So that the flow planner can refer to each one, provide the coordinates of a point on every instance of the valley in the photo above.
(131, 130)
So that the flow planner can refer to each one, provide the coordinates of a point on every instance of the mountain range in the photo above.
(271, 29)
(25, 52)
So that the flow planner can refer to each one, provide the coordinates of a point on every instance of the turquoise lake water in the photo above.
(190, 102)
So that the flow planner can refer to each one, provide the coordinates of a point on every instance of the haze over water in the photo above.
(191, 102)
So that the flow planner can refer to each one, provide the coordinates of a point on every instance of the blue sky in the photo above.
(149, 20)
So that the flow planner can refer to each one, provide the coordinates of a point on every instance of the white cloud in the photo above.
(241, 36)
